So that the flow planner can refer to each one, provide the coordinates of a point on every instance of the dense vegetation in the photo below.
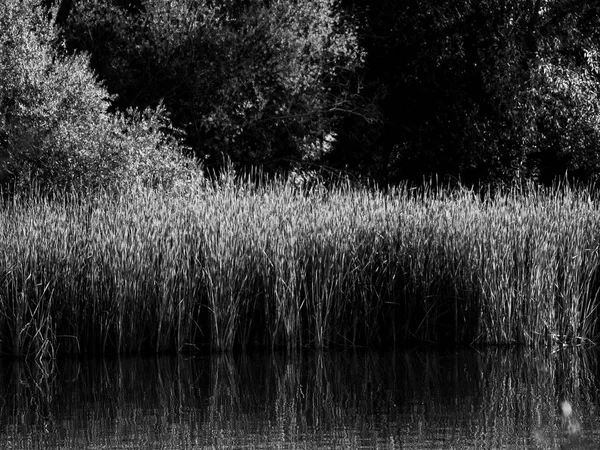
(487, 91)
(492, 90)
(500, 90)
(116, 235)
(261, 82)
(237, 265)
(55, 127)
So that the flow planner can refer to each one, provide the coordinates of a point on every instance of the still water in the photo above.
(420, 399)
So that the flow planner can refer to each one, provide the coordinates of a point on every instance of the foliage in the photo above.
(488, 91)
(254, 80)
(237, 264)
(493, 90)
(54, 116)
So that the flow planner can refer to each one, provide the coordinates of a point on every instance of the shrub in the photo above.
(54, 116)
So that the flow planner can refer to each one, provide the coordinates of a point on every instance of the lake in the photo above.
(417, 399)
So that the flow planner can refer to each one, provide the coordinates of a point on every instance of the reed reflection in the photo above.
(465, 399)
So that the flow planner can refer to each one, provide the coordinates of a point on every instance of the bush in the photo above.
(54, 117)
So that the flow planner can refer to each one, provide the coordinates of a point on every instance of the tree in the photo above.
(566, 92)
(256, 80)
(55, 126)
(482, 91)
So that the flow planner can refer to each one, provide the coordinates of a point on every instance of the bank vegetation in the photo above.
(239, 264)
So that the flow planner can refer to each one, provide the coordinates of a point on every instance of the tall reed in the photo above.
(240, 264)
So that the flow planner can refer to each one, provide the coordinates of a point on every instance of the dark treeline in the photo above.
(495, 90)
(492, 90)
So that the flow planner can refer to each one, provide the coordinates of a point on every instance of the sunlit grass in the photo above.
(235, 265)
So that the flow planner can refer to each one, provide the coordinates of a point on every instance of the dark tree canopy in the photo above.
(256, 81)
(479, 91)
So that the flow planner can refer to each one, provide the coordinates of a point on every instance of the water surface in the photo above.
(421, 399)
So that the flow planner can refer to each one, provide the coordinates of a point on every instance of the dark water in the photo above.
(353, 400)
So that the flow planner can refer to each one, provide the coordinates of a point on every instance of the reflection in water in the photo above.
(351, 400)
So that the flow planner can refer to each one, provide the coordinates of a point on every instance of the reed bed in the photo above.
(236, 265)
